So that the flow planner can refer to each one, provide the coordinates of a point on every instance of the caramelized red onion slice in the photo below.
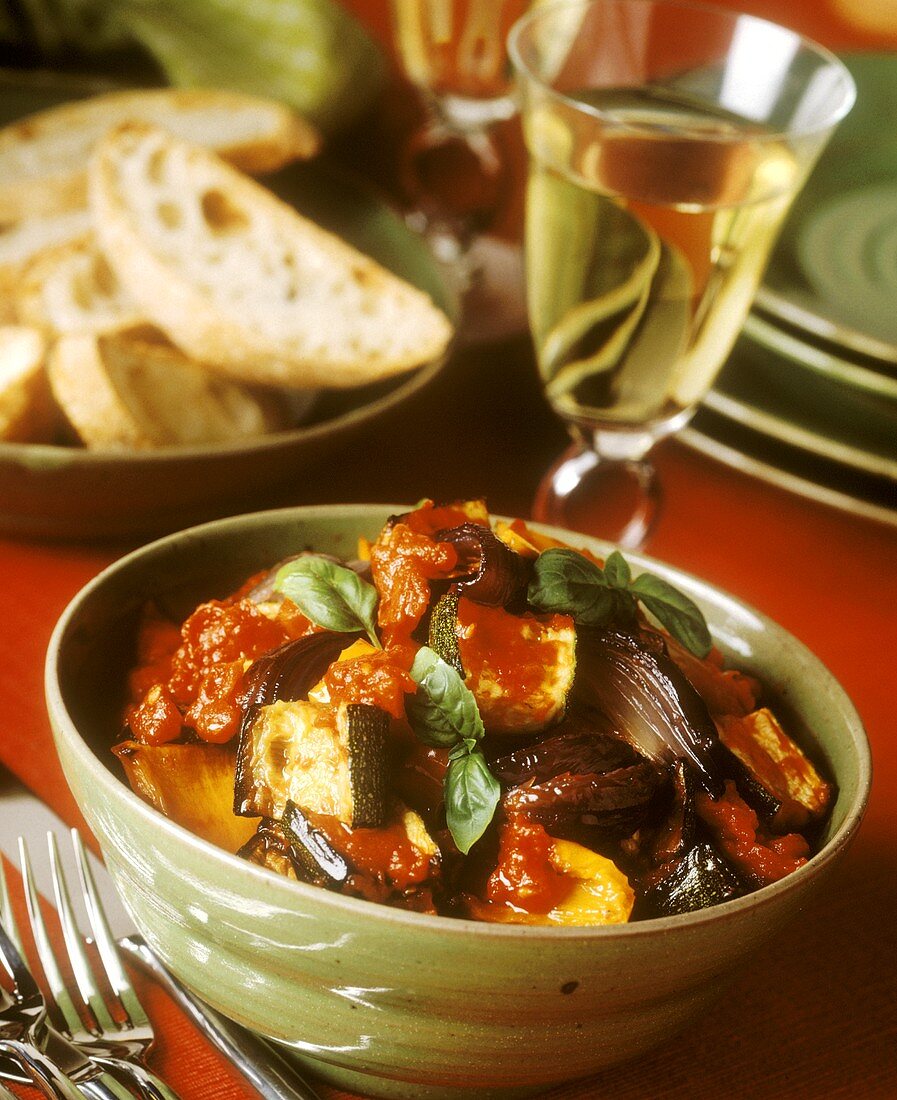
(579, 751)
(496, 574)
(652, 705)
(291, 670)
(614, 804)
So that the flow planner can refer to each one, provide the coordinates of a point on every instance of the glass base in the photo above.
(453, 182)
(617, 500)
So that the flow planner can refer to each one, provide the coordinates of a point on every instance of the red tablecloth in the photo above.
(815, 1016)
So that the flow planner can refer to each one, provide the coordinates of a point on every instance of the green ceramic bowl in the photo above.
(402, 1004)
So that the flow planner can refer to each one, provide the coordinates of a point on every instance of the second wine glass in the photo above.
(453, 171)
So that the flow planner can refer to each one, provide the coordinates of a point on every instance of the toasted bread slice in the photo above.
(42, 157)
(27, 411)
(238, 279)
(130, 393)
(71, 288)
(21, 242)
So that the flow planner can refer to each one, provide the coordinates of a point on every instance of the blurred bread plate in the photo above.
(200, 335)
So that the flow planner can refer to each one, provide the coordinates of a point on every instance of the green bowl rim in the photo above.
(287, 890)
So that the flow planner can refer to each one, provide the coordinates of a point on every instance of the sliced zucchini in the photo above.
(326, 759)
(520, 668)
(193, 784)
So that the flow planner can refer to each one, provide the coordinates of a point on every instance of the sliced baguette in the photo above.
(71, 288)
(27, 411)
(42, 157)
(129, 393)
(238, 279)
(20, 243)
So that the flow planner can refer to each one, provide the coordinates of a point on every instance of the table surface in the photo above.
(815, 1015)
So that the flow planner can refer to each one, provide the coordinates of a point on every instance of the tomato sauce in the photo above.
(497, 645)
(156, 719)
(380, 679)
(386, 852)
(735, 828)
(201, 667)
(524, 877)
(403, 562)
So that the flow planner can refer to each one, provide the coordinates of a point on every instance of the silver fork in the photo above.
(120, 1046)
(23, 1011)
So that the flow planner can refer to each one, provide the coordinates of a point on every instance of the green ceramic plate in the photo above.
(811, 357)
(834, 271)
(736, 442)
(792, 403)
(55, 491)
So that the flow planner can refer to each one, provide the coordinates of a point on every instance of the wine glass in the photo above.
(666, 143)
(453, 171)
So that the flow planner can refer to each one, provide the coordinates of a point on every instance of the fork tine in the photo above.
(115, 971)
(81, 966)
(26, 987)
(44, 948)
(6, 916)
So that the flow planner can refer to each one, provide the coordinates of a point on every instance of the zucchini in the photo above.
(520, 668)
(326, 759)
(443, 633)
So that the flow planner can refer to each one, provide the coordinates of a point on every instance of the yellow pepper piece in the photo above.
(601, 893)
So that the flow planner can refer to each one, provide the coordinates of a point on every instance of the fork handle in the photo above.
(104, 1087)
(46, 1074)
(148, 1085)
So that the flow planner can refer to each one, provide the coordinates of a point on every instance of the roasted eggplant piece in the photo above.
(191, 783)
(494, 574)
(520, 668)
(787, 788)
(696, 880)
(634, 683)
(295, 848)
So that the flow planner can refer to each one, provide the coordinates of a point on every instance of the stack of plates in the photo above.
(808, 399)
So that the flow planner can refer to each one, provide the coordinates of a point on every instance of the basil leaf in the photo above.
(674, 610)
(564, 581)
(616, 571)
(443, 711)
(330, 595)
(471, 796)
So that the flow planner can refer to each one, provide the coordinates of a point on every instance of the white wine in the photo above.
(457, 47)
(645, 241)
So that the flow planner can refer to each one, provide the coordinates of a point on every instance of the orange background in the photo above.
(815, 1016)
